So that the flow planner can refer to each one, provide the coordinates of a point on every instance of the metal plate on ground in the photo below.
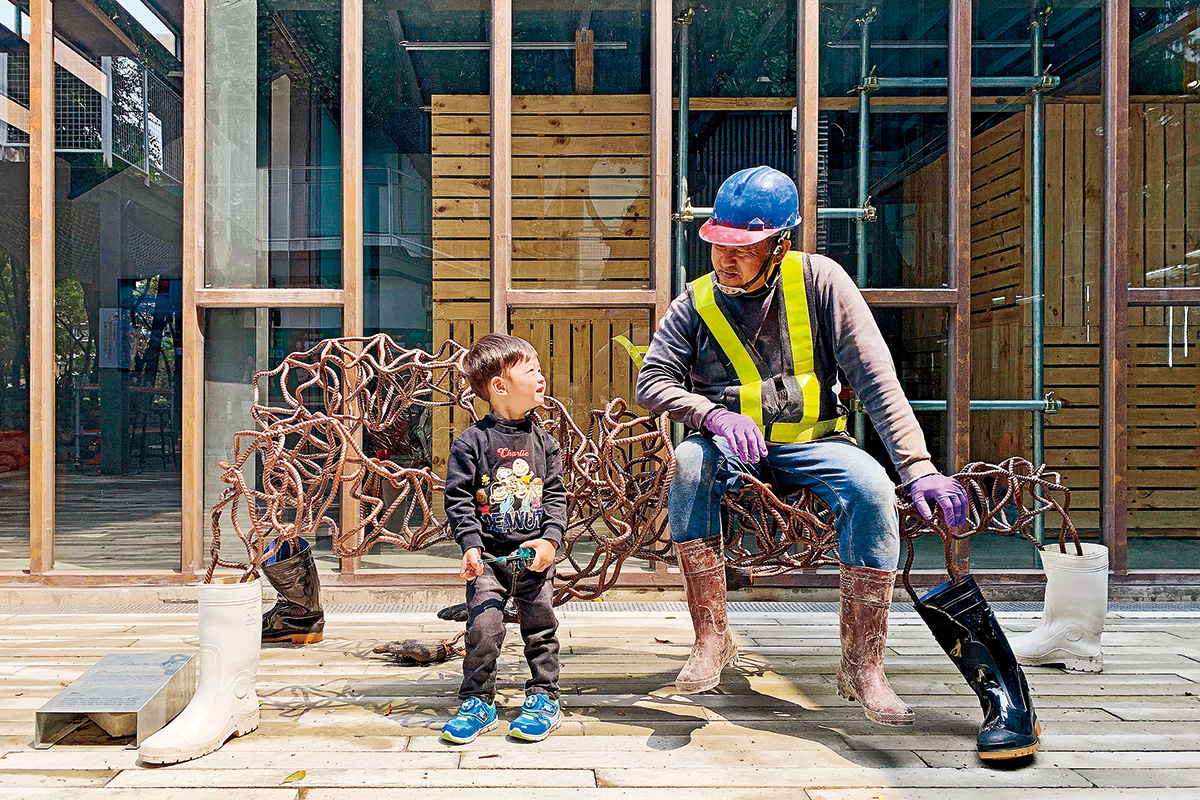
(126, 694)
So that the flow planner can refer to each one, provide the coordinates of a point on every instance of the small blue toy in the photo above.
(520, 560)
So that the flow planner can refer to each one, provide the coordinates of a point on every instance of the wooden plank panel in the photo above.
(553, 227)
(543, 269)
(1054, 223)
(542, 146)
(550, 185)
(1175, 199)
(1155, 210)
(1137, 205)
(1192, 167)
(474, 249)
(544, 104)
(584, 124)
(539, 166)
(480, 208)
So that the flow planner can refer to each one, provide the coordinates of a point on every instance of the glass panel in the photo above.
(581, 147)
(741, 90)
(1164, 437)
(901, 165)
(274, 146)
(239, 343)
(119, 293)
(14, 290)
(1164, 250)
(426, 81)
(1063, 51)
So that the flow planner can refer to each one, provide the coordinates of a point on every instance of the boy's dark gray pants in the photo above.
(486, 596)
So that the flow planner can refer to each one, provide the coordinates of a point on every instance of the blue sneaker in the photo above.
(539, 716)
(473, 718)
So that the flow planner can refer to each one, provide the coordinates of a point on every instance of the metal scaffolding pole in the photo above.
(682, 201)
(864, 163)
(1037, 170)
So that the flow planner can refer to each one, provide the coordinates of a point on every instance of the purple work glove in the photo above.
(943, 491)
(745, 439)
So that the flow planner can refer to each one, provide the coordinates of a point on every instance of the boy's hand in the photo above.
(472, 567)
(545, 550)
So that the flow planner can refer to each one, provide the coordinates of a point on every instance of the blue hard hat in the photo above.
(752, 205)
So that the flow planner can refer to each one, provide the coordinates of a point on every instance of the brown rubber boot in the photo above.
(866, 595)
(703, 567)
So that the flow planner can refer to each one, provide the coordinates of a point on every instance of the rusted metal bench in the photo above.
(347, 421)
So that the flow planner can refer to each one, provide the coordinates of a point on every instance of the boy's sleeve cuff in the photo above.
(469, 541)
(554, 533)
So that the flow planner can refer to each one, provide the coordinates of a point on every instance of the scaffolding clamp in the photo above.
(870, 84)
(869, 16)
(1046, 82)
(686, 17)
(1053, 404)
(687, 214)
(869, 212)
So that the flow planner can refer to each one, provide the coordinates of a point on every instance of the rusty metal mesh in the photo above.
(344, 417)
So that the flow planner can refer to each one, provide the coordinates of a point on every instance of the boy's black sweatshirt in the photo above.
(504, 486)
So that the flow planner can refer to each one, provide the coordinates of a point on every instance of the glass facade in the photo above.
(312, 108)
(118, 273)
(14, 289)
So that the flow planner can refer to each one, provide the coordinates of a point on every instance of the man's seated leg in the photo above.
(858, 489)
(704, 471)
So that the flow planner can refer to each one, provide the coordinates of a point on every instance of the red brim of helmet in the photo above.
(715, 233)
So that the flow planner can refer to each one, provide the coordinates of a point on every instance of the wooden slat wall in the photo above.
(581, 194)
(1164, 411)
(581, 220)
(999, 281)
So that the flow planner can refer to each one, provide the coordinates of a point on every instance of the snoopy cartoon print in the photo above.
(523, 492)
(502, 497)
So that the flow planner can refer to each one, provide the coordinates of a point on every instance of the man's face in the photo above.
(737, 266)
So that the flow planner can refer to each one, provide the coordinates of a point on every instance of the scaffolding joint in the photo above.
(869, 16)
(870, 84)
(1053, 404)
(687, 214)
(869, 212)
(686, 17)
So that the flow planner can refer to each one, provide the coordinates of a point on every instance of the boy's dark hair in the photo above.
(493, 355)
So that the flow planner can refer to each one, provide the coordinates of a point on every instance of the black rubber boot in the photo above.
(964, 626)
(296, 616)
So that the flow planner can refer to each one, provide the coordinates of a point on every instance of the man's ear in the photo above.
(496, 386)
(782, 249)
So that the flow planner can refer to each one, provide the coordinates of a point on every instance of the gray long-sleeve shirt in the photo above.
(686, 374)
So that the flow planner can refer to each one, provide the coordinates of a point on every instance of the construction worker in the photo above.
(748, 358)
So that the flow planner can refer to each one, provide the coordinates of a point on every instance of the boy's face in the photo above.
(525, 384)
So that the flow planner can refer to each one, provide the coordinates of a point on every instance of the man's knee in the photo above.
(872, 489)
(696, 462)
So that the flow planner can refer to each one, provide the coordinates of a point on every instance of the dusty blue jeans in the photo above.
(851, 482)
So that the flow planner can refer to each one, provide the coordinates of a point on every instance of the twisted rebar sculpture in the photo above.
(349, 418)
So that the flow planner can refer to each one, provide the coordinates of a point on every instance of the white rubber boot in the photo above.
(1073, 617)
(225, 704)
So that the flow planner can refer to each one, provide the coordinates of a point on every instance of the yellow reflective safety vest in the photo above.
(789, 419)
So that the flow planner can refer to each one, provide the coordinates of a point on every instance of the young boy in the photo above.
(504, 490)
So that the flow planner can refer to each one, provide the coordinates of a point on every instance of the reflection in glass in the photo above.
(273, 106)
(1164, 251)
(895, 158)
(740, 88)
(427, 210)
(238, 344)
(581, 147)
(118, 295)
(14, 291)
